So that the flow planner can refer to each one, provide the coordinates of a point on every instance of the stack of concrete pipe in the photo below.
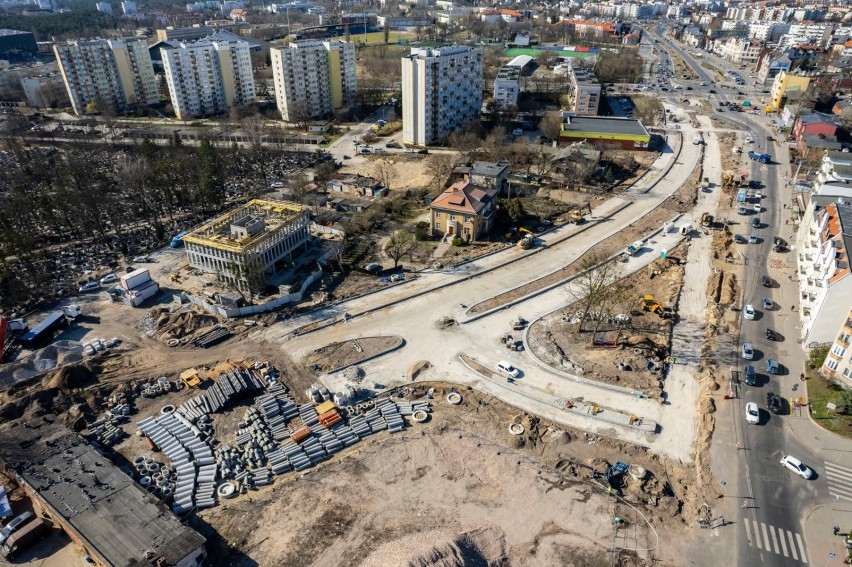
(390, 413)
(106, 430)
(229, 385)
(308, 413)
(261, 477)
(278, 461)
(327, 438)
(230, 461)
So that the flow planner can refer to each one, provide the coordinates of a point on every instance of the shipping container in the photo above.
(134, 279)
(23, 538)
(44, 330)
(137, 296)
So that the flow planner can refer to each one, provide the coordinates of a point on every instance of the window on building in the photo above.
(847, 372)
(831, 364)
(838, 350)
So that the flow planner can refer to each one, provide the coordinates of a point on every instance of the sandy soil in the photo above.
(409, 172)
(336, 355)
(556, 340)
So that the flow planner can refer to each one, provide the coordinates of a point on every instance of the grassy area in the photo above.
(390, 128)
(515, 51)
(820, 393)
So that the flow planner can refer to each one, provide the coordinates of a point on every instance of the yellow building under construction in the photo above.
(246, 245)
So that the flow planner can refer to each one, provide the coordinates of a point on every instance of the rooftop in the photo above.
(241, 228)
(509, 73)
(114, 515)
(488, 168)
(609, 125)
(464, 197)
(520, 61)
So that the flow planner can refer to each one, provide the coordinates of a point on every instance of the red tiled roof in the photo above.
(464, 197)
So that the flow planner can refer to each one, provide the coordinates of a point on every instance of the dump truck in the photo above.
(190, 378)
(762, 158)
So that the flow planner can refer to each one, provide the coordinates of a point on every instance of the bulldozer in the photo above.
(654, 306)
(527, 242)
(731, 179)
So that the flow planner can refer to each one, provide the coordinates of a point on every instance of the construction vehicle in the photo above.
(731, 179)
(527, 242)
(652, 305)
(706, 219)
(518, 324)
(634, 248)
(190, 378)
(762, 158)
(576, 217)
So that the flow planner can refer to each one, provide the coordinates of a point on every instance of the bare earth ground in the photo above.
(556, 340)
(411, 172)
(336, 355)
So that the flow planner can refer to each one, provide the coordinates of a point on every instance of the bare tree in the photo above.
(400, 243)
(551, 125)
(648, 110)
(596, 289)
(384, 172)
(494, 143)
(442, 168)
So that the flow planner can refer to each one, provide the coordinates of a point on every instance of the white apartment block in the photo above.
(758, 13)
(767, 30)
(102, 74)
(208, 76)
(825, 278)
(818, 33)
(742, 50)
(104, 7)
(441, 90)
(128, 7)
(839, 359)
(584, 90)
(507, 87)
(313, 78)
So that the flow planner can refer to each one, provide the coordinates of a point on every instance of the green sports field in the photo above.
(515, 51)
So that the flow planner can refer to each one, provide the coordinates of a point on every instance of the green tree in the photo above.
(515, 210)
(844, 402)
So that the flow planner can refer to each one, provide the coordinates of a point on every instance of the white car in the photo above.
(752, 413)
(758, 208)
(748, 312)
(507, 368)
(758, 196)
(89, 286)
(747, 351)
(109, 278)
(796, 466)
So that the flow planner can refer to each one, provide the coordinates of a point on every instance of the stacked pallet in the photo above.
(330, 418)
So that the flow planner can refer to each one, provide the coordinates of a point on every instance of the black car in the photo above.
(778, 241)
(712, 91)
(770, 335)
(423, 151)
(755, 222)
(750, 375)
(765, 281)
(755, 184)
(773, 402)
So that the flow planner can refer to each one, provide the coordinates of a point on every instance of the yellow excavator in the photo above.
(654, 306)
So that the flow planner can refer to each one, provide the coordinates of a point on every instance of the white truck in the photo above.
(634, 248)
(72, 311)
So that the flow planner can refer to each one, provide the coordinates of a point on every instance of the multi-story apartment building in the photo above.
(507, 87)
(825, 278)
(741, 50)
(770, 62)
(207, 76)
(312, 78)
(102, 74)
(441, 90)
(787, 85)
(839, 359)
(584, 90)
(767, 30)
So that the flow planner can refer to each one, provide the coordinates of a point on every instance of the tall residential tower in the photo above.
(312, 78)
(441, 90)
(208, 76)
(105, 74)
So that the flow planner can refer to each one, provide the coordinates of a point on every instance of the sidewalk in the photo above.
(817, 526)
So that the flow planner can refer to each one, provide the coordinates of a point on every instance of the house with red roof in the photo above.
(465, 210)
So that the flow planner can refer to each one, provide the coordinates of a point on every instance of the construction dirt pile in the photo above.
(183, 325)
(345, 353)
(485, 547)
(630, 345)
(40, 361)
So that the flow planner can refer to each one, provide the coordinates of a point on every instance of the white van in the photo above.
(507, 368)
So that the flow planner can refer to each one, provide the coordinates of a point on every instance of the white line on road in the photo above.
(765, 537)
(783, 542)
(774, 538)
(792, 545)
(802, 548)
(748, 531)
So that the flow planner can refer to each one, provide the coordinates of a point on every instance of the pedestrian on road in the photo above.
(836, 530)
(745, 503)
(792, 308)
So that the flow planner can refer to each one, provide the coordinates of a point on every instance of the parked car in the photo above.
(750, 376)
(752, 238)
(773, 402)
(740, 239)
(397, 277)
(89, 286)
(755, 222)
(423, 151)
(108, 279)
(770, 335)
(747, 351)
(752, 413)
(748, 312)
(13, 525)
(772, 366)
(757, 208)
(767, 304)
(765, 281)
(507, 368)
(796, 466)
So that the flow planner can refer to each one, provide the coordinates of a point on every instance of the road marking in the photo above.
(801, 548)
(756, 534)
(839, 480)
(748, 531)
(792, 545)
(765, 537)
(783, 542)
(774, 538)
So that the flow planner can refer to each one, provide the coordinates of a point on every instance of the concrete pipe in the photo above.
(161, 482)
(141, 468)
(151, 488)
(183, 495)
(173, 342)
(154, 467)
(516, 429)
(145, 481)
(167, 409)
(226, 490)
(419, 416)
(139, 460)
(454, 398)
(156, 478)
(148, 461)
(165, 471)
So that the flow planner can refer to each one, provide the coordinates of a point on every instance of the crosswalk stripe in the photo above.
(792, 545)
(843, 492)
(832, 469)
(748, 531)
(802, 548)
(765, 537)
(774, 538)
(783, 542)
(756, 534)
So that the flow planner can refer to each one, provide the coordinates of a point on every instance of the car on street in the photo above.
(740, 239)
(773, 402)
(752, 413)
(770, 335)
(397, 277)
(757, 208)
(752, 238)
(758, 196)
(89, 286)
(748, 312)
(507, 368)
(755, 222)
(795, 465)
(765, 281)
(424, 151)
(747, 351)
(772, 366)
(750, 375)
(109, 278)
(768, 304)
(408, 151)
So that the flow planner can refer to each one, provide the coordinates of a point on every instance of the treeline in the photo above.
(625, 66)
(70, 25)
